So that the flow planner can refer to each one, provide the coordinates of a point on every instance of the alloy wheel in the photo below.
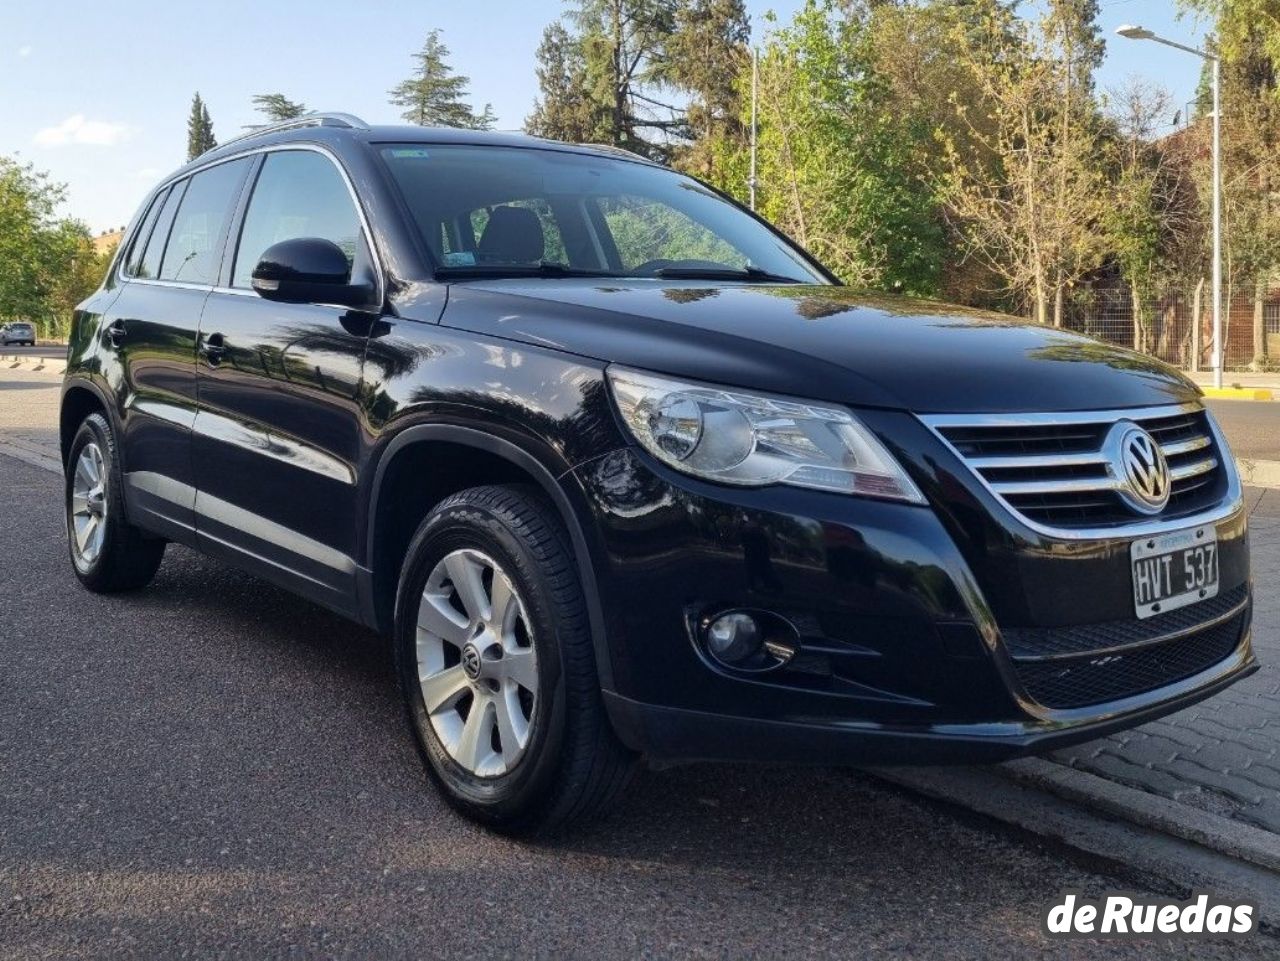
(477, 666)
(89, 503)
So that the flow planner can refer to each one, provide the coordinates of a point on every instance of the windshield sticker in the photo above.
(421, 152)
(460, 258)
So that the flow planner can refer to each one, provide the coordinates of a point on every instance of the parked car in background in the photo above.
(624, 472)
(17, 333)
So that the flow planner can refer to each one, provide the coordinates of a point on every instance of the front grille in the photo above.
(1047, 642)
(1063, 683)
(1052, 471)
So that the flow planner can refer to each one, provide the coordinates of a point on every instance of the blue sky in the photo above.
(98, 93)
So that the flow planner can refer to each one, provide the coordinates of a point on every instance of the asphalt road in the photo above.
(1252, 427)
(212, 768)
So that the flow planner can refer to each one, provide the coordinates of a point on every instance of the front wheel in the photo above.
(497, 668)
(107, 552)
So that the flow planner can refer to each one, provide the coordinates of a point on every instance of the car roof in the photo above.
(337, 130)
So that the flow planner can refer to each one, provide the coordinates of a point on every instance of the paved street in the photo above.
(1254, 428)
(213, 766)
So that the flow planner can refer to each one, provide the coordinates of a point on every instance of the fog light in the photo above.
(734, 638)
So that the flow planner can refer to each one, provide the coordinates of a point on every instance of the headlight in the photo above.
(753, 440)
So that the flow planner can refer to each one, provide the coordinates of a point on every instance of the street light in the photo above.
(1131, 32)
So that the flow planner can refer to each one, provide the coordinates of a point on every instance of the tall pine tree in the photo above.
(651, 76)
(433, 96)
(562, 112)
(200, 137)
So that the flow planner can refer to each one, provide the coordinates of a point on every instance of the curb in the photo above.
(1240, 393)
(34, 454)
(1258, 473)
(36, 364)
(1224, 835)
(1133, 832)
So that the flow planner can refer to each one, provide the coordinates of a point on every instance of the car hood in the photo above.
(823, 343)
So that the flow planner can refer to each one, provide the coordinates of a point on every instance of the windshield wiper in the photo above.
(545, 268)
(753, 274)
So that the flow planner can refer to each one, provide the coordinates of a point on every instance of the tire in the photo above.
(570, 766)
(122, 557)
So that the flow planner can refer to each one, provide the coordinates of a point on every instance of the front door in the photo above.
(277, 434)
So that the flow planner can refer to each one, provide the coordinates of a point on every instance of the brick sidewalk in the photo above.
(1222, 755)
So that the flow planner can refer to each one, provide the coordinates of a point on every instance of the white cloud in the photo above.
(78, 129)
(148, 173)
(24, 51)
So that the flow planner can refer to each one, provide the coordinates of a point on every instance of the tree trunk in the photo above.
(1260, 321)
(1057, 307)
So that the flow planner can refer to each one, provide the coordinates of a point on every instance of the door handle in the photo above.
(212, 349)
(116, 333)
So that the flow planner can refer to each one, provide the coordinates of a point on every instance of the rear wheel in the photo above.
(497, 668)
(107, 553)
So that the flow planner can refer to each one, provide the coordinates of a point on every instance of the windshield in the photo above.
(497, 211)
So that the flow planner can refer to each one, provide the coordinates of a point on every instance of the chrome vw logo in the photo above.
(471, 661)
(1139, 465)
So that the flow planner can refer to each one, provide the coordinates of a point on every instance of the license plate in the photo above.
(1173, 570)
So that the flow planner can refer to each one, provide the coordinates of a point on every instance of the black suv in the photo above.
(624, 472)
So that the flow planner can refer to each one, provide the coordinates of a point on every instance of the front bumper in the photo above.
(899, 609)
(675, 734)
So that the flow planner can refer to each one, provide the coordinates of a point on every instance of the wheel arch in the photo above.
(80, 398)
(489, 459)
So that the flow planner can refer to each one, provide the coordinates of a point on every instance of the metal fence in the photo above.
(1164, 325)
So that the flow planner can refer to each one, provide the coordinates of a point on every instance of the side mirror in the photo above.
(308, 270)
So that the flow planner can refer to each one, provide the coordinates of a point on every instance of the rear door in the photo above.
(277, 436)
(149, 341)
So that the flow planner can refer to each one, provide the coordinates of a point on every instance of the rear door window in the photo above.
(192, 253)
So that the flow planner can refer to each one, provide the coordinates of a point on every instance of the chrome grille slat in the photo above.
(1185, 446)
(1183, 471)
(1051, 470)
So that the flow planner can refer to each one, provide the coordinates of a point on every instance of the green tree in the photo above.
(1033, 216)
(277, 108)
(837, 158)
(1249, 44)
(621, 46)
(708, 52)
(561, 111)
(47, 264)
(200, 137)
(434, 95)
(1152, 218)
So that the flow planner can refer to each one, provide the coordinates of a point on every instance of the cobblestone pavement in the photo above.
(1222, 755)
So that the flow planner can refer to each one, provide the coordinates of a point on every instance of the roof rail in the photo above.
(347, 120)
(617, 151)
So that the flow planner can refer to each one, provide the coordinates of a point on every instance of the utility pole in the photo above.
(755, 84)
